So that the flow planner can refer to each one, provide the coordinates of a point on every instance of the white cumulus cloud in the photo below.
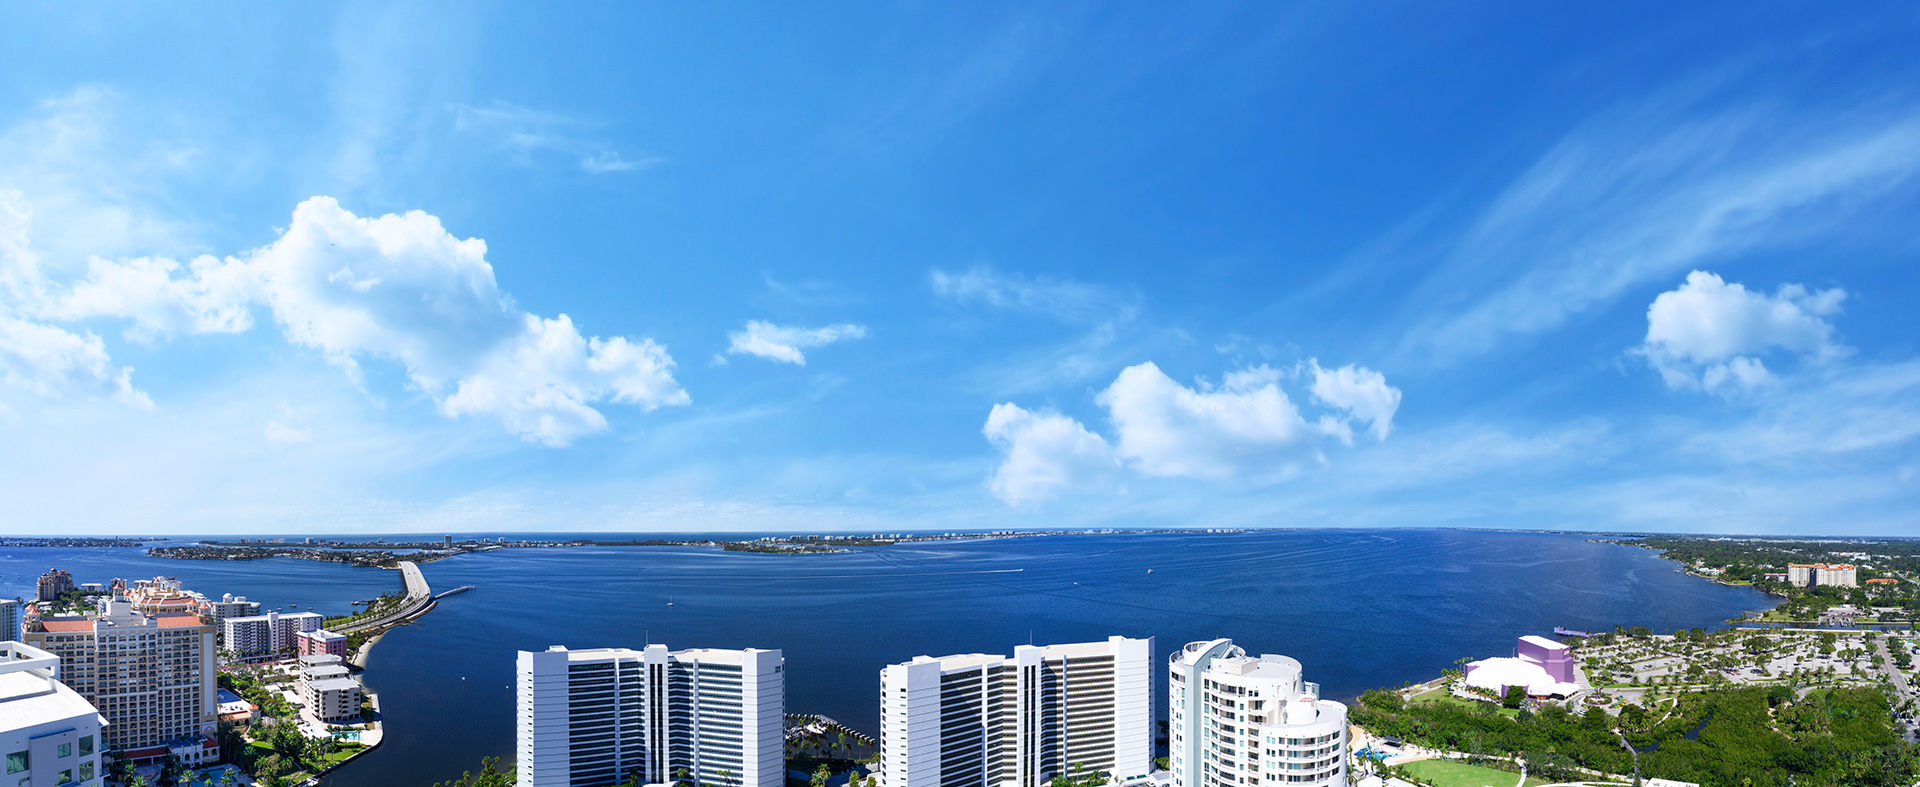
(212, 296)
(398, 288)
(1712, 335)
(1168, 429)
(51, 362)
(783, 343)
(1363, 393)
(542, 383)
(1045, 452)
(1246, 427)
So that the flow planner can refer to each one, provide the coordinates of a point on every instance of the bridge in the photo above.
(419, 599)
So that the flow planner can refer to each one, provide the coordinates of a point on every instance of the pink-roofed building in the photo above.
(321, 642)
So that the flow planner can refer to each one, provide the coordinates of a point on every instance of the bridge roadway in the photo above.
(419, 598)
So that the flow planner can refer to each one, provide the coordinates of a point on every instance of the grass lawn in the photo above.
(1442, 773)
(1440, 696)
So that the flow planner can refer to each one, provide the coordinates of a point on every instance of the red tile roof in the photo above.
(67, 625)
(176, 621)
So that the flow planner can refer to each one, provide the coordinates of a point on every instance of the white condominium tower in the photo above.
(991, 721)
(49, 734)
(1238, 720)
(700, 716)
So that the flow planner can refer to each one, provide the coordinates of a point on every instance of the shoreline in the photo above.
(359, 657)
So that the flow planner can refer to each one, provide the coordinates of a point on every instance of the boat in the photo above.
(1149, 570)
(669, 601)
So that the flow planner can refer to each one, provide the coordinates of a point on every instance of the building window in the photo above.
(16, 762)
(86, 771)
(63, 750)
(66, 777)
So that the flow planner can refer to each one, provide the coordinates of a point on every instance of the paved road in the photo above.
(1885, 663)
(418, 597)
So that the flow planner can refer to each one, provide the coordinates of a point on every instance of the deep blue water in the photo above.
(1358, 608)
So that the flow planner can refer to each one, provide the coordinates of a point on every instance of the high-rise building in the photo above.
(699, 716)
(266, 636)
(231, 606)
(1239, 721)
(153, 678)
(446, 542)
(1843, 575)
(53, 583)
(980, 720)
(12, 619)
(49, 734)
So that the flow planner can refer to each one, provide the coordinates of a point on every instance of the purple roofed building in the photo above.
(1552, 656)
(1541, 665)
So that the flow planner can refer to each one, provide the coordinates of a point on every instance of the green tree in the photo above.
(490, 775)
(1515, 697)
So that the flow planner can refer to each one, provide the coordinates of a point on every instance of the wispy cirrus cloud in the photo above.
(527, 133)
(1066, 300)
(784, 343)
(1648, 192)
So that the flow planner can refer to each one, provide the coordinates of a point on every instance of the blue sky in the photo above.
(875, 267)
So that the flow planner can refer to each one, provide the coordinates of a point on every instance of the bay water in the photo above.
(1359, 609)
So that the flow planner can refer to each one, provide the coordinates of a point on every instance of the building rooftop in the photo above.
(713, 654)
(326, 671)
(31, 697)
(280, 615)
(1542, 642)
(334, 684)
(1075, 649)
(962, 660)
(66, 625)
(178, 621)
(1268, 666)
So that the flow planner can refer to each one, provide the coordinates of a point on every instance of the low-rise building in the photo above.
(328, 689)
(334, 700)
(234, 709)
(49, 734)
(320, 641)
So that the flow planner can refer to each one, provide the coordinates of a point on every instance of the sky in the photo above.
(870, 267)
